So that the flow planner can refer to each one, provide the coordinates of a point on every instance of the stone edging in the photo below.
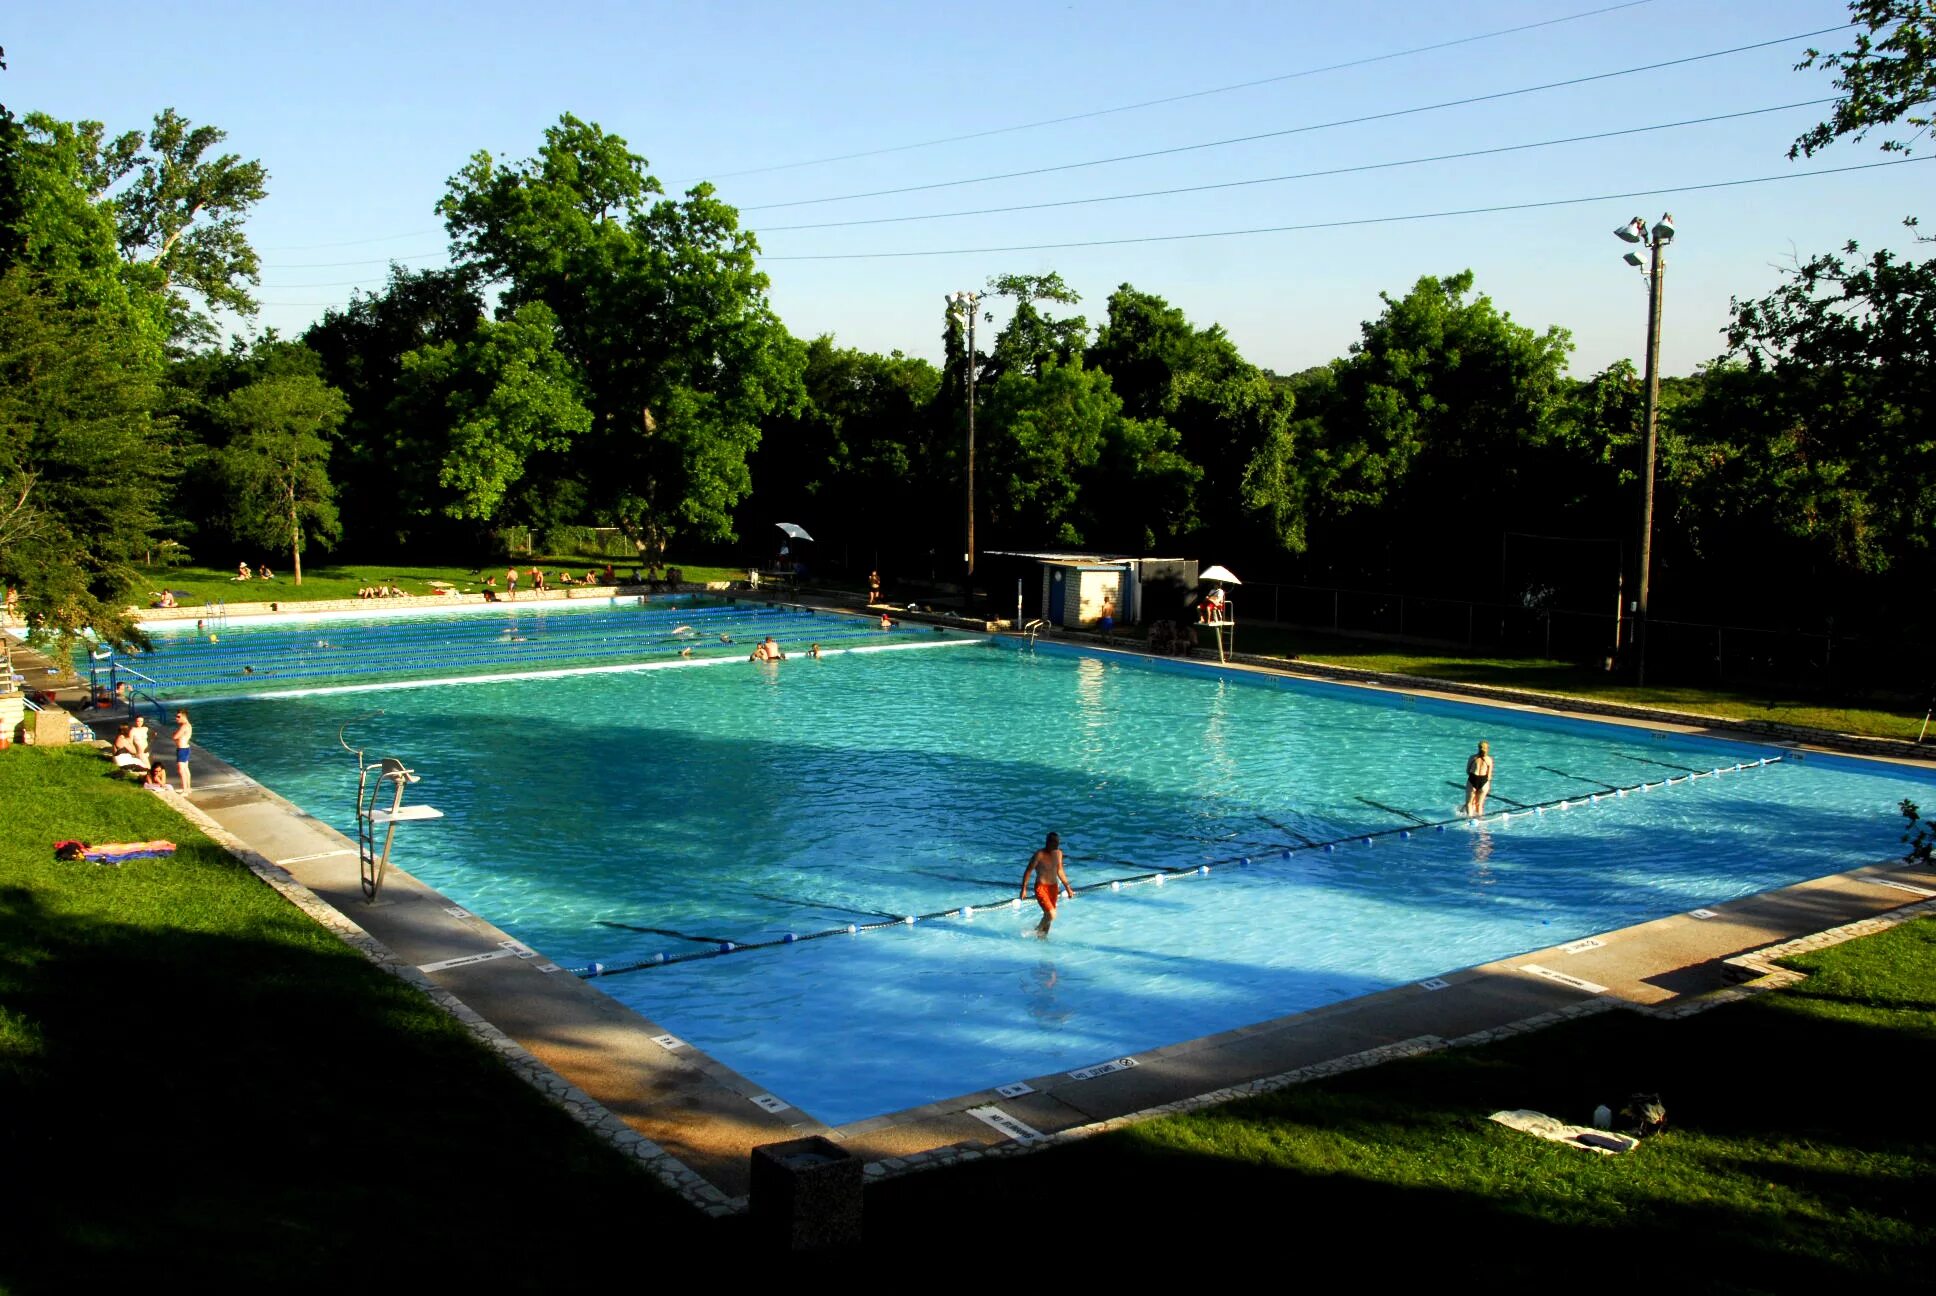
(581, 1107)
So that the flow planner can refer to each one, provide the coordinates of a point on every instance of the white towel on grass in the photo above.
(1540, 1125)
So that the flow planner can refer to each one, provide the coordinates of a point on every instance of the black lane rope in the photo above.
(800, 902)
(662, 931)
(1402, 814)
(1157, 876)
(1581, 777)
(1517, 805)
(1287, 830)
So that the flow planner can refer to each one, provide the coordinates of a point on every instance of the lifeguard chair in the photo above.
(1218, 613)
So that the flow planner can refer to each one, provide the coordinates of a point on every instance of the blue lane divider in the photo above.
(1155, 876)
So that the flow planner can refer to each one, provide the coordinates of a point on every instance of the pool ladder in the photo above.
(1034, 628)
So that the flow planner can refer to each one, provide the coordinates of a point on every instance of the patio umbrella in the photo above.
(1223, 574)
(794, 530)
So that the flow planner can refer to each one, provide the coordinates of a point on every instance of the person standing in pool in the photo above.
(184, 740)
(1478, 781)
(1046, 865)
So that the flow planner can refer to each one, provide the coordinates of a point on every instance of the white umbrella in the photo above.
(1223, 574)
(794, 530)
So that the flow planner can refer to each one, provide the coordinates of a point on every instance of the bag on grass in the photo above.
(1643, 1116)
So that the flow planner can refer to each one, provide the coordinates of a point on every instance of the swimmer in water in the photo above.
(1478, 782)
(725, 638)
(685, 652)
(1046, 865)
(814, 652)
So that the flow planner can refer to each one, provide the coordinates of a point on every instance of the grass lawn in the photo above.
(324, 580)
(1884, 718)
(196, 1080)
(1795, 1157)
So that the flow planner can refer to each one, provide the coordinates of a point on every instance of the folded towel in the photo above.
(1540, 1125)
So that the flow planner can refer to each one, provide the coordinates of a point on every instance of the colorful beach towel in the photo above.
(113, 852)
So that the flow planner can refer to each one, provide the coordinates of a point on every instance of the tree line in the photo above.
(600, 352)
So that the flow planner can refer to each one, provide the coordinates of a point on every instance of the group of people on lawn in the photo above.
(130, 752)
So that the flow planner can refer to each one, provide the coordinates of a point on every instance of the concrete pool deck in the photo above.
(694, 1121)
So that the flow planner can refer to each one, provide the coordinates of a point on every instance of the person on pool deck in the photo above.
(184, 740)
(1478, 782)
(140, 734)
(1040, 864)
(511, 583)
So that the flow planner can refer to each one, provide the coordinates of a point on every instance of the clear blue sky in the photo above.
(361, 111)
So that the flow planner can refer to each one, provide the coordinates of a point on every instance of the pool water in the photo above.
(614, 818)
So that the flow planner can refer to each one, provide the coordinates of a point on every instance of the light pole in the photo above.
(962, 308)
(1656, 241)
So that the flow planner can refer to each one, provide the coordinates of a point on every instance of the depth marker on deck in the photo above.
(670, 1043)
(1572, 982)
(1103, 1069)
(465, 961)
(1434, 983)
(1014, 1090)
(1581, 946)
(1702, 914)
(1003, 1123)
(768, 1103)
(304, 859)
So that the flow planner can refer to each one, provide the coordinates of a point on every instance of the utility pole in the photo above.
(963, 307)
(1656, 241)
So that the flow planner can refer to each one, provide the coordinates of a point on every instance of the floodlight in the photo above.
(1634, 231)
(1664, 229)
(1632, 259)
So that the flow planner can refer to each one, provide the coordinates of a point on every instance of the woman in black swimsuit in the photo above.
(1478, 781)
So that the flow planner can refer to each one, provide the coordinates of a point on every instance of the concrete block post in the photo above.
(806, 1195)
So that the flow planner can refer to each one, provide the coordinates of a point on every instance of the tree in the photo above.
(391, 452)
(276, 461)
(80, 469)
(1032, 340)
(496, 401)
(178, 213)
(661, 309)
(1424, 432)
(1887, 76)
(1850, 344)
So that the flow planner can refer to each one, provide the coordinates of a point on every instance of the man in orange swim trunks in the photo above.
(1046, 865)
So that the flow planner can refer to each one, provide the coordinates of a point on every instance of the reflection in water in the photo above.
(1043, 1003)
(1481, 855)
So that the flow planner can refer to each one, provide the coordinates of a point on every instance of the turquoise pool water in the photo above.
(611, 818)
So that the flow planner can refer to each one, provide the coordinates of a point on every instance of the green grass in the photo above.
(196, 585)
(196, 1079)
(1795, 1158)
(1882, 718)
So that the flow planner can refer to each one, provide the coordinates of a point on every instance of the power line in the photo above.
(1301, 130)
(1344, 224)
(1299, 175)
(332, 265)
(381, 238)
(1181, 98)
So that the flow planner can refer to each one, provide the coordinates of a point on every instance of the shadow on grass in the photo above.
(262, 1107)
(1784, 1167)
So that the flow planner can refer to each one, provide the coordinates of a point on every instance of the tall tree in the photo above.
(1422, 433)
(496, 402)
(277, 461)
(80, 469)
(659, 305)
(178, 212)
(1887, 76)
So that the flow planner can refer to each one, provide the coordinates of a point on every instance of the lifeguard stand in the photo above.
(370, 778)
(1218, 613)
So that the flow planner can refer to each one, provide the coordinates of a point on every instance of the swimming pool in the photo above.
(616, 817)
